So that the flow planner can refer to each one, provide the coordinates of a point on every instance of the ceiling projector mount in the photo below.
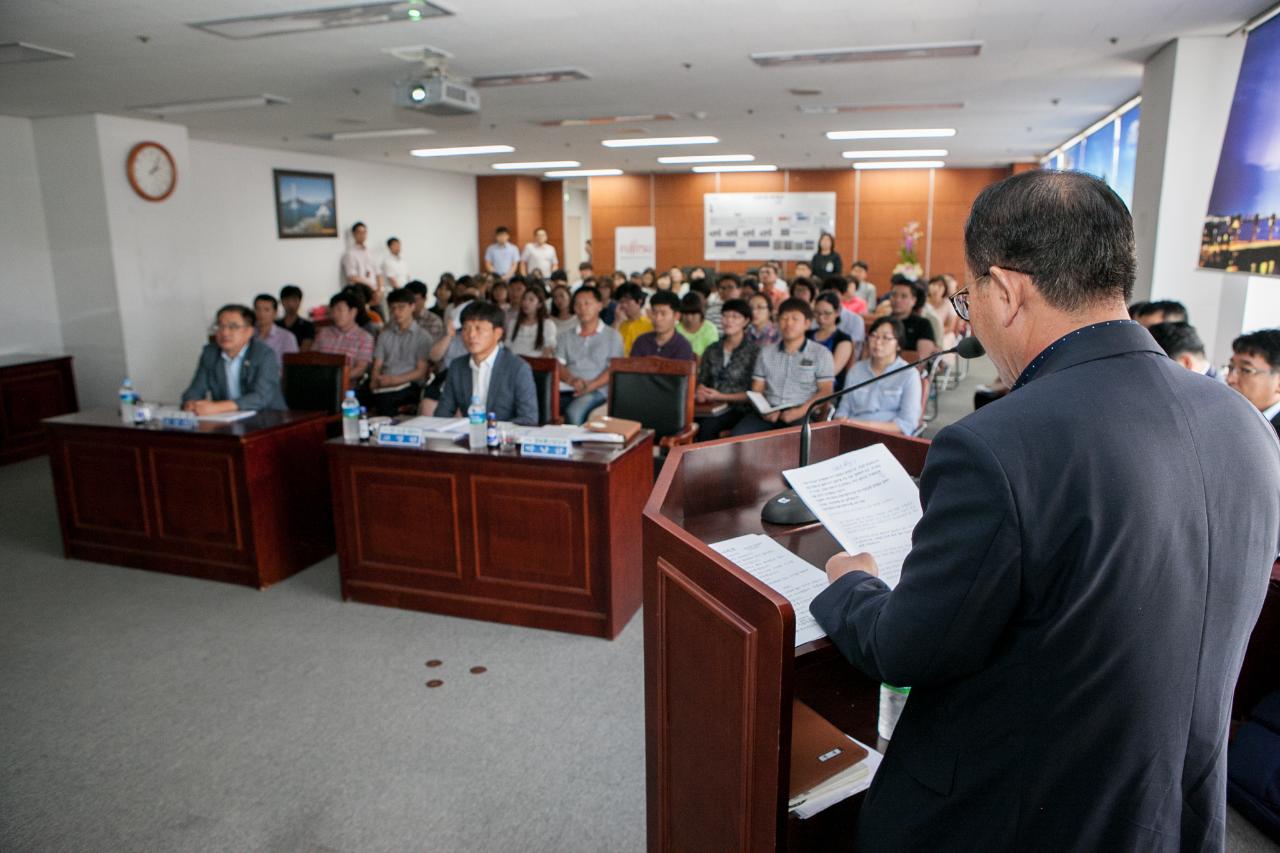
(432, 90)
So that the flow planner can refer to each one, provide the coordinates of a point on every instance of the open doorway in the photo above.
(577, 225)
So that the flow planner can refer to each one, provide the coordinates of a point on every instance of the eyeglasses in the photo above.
(227, 327)
(960, 302)
(1245, 370)
(887, 338)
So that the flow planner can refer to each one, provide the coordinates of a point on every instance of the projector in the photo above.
(437, 95)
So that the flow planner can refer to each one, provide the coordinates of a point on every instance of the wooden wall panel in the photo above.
(621, 200)
(495, 206)
(888, 201)
(678, 217)
(551, 202)
(953, 193)
(528, 206)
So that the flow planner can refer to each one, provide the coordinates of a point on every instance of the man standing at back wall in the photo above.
(502, 258)
(358, 265)
(1093, 554)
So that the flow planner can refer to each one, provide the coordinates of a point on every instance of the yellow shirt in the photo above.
(632, 329)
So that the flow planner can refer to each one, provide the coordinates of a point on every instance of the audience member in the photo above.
(678, 285)
(826, 261)
(501, 257)
(499, 294)
(663, 341)
(585, 271)
(762, 331)
(562, 309)
(724, 374)
(938, 305)
(443, 296)
(662, 282)
(609, 313)
(1254, 371)
(1162, 311)
(803, 270)
(358, 266)
(772, 285)
(237, 371)
(585, 353)
(791, 373)
(633, 320)
(826, 310)
(280, 341)
(848, 290)
(345, 337)
(848, 322)
(395, 270)
(648, 279)
(515, 294)
(802, 288)
(1181, 343)
(728, 287)
(368, 318)
(532, 332)
(693, 325)
(501, 380)
(906, 298)
(302, 328)
(862, 287)
(539, 255)
(427, 319)
(400, 359)
(890, 405)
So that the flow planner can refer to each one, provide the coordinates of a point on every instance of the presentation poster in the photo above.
(635, 248)
(766, 226)
(1241, 231)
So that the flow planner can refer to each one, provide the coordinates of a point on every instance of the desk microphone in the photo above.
(786, 506)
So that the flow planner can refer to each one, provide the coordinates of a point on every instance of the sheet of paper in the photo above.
(228, 417)
(576, 434)
(796, 580)
(867, 501)
(762, 403)
(448, 427)
(811, 807)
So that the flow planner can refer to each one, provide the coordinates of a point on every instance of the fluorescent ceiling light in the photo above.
(659, 140)
(757, 167)
(520, 78)
(905, 133)
(900, 164)
(587, 122)
(929, 50)
(21, 51)
(325, 18)
(348, 135)
(545, 164)
(462, 151)
(583, 173)
(895, 152)
(212, 105)
(835, 109)
(709, 158)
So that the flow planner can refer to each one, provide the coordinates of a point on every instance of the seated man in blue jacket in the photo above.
(503, 381)
(237, 372)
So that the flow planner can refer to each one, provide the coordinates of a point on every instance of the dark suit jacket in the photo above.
(1094, 552)
(259, 378)
(512, 394)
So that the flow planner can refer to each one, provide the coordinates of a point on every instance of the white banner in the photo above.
(635, 248)
(766, 226)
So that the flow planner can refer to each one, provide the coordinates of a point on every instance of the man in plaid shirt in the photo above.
(344, 337)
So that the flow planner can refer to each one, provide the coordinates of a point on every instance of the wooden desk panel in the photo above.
(244, 503)
(32, 388)
(496, 536)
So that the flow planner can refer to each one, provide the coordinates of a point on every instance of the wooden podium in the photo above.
(721, 667)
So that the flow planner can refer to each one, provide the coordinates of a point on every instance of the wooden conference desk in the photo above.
(721, 667)
(32, 388)
(245, 502)
(543, 543)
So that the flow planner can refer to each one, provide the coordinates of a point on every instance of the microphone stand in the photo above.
(786, 506)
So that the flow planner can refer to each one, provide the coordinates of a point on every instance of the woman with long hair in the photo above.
(532, 332)
(562, 308)
(826, 261)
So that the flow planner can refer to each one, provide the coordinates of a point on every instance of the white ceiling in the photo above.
(1046, 71)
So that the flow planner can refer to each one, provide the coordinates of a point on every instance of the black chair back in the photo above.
(314, 382)
(546, 383)
(657, 392)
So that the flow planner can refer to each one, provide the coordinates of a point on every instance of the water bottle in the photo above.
(350, 417)
(491, 438)
(892, 701)
(363, 424)
(476, 421)
(128, 399)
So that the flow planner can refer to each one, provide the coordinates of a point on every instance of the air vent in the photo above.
(934, 50)
(586, 122)
(522, 78)
(328, 18)
(835, 109)
(20, 51)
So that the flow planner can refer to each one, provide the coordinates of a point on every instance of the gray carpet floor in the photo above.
(144, 712)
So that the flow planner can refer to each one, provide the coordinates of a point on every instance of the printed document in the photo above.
(795, 579)
(867, 501)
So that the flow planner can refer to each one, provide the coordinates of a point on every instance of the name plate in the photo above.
(546, 448)
(398, 436)
(177, 419)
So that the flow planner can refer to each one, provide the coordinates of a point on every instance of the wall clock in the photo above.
(151, 170)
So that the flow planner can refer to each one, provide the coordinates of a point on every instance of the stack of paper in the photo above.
(228, 417)
(795, 579)
(867, 501)
(856, 779)
(437, 427)
(576, 434)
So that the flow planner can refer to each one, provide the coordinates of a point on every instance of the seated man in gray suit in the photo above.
(503, 381)
(237, 372)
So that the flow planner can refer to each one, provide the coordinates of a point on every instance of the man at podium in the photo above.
(1093, 554)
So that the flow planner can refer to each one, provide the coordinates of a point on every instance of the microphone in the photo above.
(786, 506)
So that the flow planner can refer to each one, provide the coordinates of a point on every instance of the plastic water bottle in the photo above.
(476, 423)
(492, 439)
(128, 400)
(350, 417)
(363, 424)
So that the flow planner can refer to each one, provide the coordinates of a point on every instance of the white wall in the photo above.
(433, 214)
(29, 322)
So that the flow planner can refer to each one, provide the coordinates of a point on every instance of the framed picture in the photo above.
(305, 205)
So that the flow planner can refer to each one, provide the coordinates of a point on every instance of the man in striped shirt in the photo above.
(345, 337)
